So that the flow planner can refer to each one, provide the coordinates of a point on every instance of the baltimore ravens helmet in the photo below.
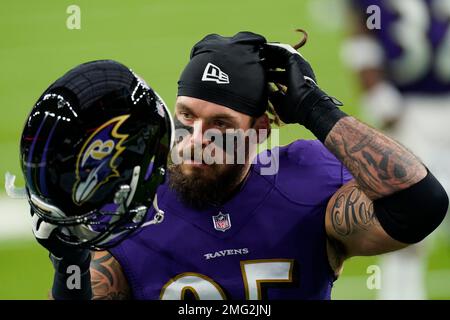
(93, 152)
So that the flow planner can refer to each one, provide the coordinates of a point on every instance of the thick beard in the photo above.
(199, 191)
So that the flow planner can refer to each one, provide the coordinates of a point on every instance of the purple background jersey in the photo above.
(415, 37)
(273, 246)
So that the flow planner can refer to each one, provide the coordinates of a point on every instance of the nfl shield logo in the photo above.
(222, 222)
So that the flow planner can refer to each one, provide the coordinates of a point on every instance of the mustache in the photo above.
(202, 189)
(197, 154)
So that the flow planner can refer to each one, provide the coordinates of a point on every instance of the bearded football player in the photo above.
(232, 231)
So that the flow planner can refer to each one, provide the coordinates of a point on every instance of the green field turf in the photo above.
(26, 273)
(154, 38)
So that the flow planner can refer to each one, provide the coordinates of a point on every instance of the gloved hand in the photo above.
(298, 96)
(61, 253)
(63, 256)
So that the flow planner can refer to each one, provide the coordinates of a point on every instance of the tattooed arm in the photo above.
(380, 167)
(379, 164)
(107, 278)
(393, 198)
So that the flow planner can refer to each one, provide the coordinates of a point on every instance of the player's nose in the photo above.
(198, 137)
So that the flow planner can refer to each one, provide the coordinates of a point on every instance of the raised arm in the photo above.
(381, 167)
(107, 281)
(79, 273)
(393, 201)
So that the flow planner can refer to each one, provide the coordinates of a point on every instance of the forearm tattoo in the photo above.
(107, 279)
(380, 165)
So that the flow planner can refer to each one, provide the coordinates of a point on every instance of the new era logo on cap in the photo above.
(213, 73)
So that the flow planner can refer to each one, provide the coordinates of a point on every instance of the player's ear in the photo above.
(262, 127)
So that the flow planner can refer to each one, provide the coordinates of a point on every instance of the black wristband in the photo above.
(320, 113)
(72, 280)
(66, 288)
(81, 258)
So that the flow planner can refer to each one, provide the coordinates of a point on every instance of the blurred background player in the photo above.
(401, 53)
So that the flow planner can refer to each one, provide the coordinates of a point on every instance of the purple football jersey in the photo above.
(267, 242)
(415, 37)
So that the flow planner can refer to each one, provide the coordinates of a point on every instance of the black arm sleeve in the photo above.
(413, 213)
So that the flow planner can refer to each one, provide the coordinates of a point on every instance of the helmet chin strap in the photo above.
(159, 215)
(128, 192)
(125, 194)
(11, 190)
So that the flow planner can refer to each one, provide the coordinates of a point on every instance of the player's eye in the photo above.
(220, 124)
(186, 116)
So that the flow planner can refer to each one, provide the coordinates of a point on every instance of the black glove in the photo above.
(299, 95)
(61, 253)
(64, 256)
